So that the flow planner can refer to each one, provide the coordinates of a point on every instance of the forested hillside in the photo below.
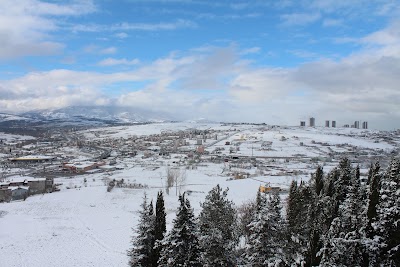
(335, 219)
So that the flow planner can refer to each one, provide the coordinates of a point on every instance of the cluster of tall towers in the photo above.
(333, 124)
(356, 125)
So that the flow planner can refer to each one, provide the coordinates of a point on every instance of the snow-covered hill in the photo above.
(84, 225)
(97, 115)
(4, 117)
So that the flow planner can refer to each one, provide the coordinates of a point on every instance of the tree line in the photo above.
(334, 219)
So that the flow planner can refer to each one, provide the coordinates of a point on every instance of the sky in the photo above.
(277, 62)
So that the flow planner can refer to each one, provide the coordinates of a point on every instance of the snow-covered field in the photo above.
(84, 225)
(5, 137)
(88, 226)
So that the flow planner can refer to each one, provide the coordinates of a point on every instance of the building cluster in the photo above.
(332, 124)
(22, 187)
(356, 125)
(80, 167)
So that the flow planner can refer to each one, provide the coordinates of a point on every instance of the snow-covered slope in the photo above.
(97, 115)
(4, 117)
(84, 225)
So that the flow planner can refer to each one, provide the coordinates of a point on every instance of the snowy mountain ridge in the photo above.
(87, 115)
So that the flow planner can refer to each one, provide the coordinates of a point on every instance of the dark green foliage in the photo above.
(160, 226)
(374, 189)
(181, 246)
(342, 244)
(141, 254)
(343, 181)
(333, 220)
(267, 228)
(218, 229)
(245, 214)
(318, 180)
(387, 226)
(357, 175)
(329, 184)
(293, 206)
(302, 224)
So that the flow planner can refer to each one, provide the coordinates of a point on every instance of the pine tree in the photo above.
(302, 224)
(343, 182)
(267, 228)
(343, 246)
(293, 208)
(143, 242)
(218, 229)
(260, 200)
(292, 236)
(160, 226)
(328, 201)
(387, 226)
(180, 248)
(332, 252)
(343, 242)
(374, 188)
(318, 180)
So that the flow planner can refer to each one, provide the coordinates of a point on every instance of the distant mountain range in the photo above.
(85, 116)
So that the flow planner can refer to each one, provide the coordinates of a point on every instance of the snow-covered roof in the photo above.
(21, 180)
(12, 188)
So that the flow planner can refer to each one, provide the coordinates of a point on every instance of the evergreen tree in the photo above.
(387, 226)
(373, 170)
(357, 175)
(180, 248)
(302, 236)
(343, 182)
(373, 199)
(293, 204)
(343, 242)
(292, 237)
(141, 254)
(260, 200)
(352, 203)
(318, 180)
(160, 226)
(333, 251)
(267, 228)
(218, 229)
(245, 214)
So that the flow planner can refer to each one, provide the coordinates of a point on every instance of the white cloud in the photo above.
(303, 53)
(299, 19)
(332, 22)
(252, 50)
(108, 50)
(126, 26)
(261, 85)
(121, 35)
(388, 36)
(25, 26)
(114, 61)
(362, 86)
(329, 6)
(94, 49)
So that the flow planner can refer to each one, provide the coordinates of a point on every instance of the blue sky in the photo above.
(255, 61)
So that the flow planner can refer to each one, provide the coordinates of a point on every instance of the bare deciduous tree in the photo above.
(172, 175)
(177, 177)
(180, 180)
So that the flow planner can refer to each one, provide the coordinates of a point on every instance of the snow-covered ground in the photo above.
(84, 225)
(88, 226)
(5, 137)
